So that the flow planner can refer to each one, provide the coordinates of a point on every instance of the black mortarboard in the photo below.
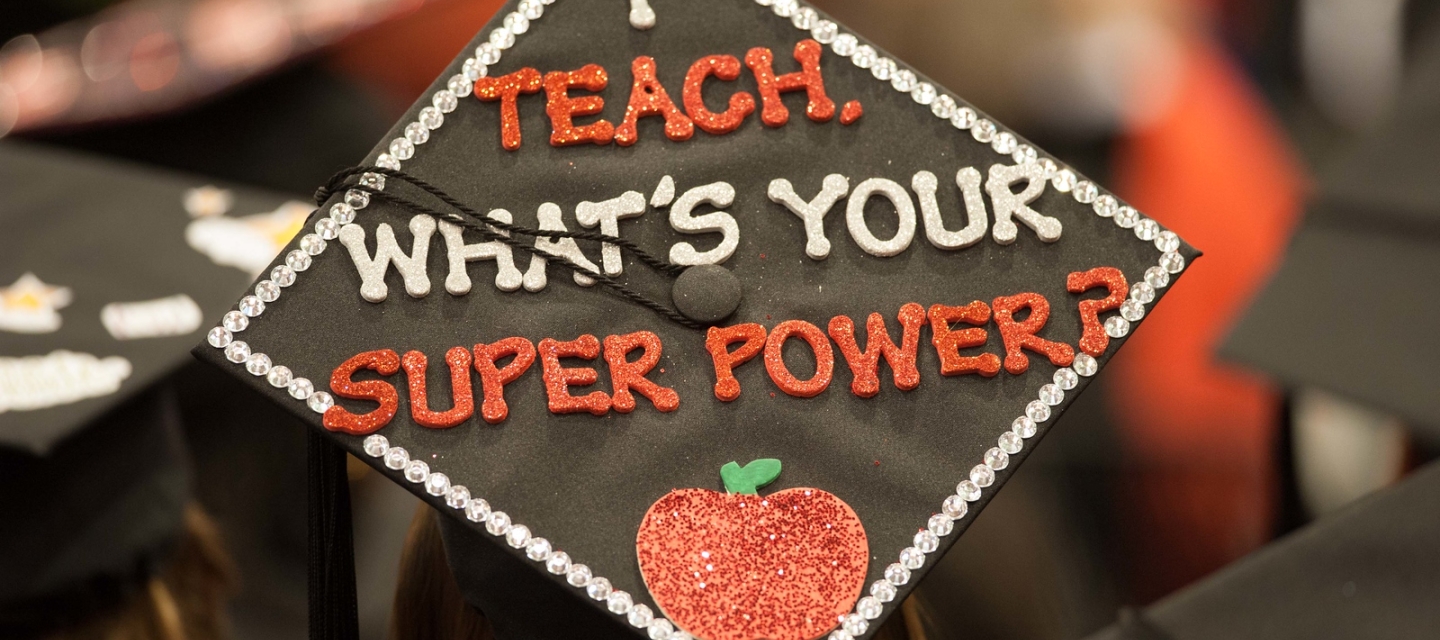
(1369, 571)
(576, 428)
(105, 279)
(1352, 307)
(107, 274)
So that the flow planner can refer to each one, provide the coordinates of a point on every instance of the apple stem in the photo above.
(749, 478)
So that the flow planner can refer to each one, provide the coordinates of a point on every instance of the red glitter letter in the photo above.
(741, 102)
(561, 107)
(1093, 339)
(865, 365)
(718, 341)
(775, 363)
(648, 98)
(493, 380)
(558, 379)
(948, 342)
(385, 362)
(772, 110)
(1021, 335)
(507, 89)
(459, 360)
(626, 375)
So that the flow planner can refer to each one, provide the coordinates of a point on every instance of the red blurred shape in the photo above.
(1216, 168)
(154, 60)
(401, 57)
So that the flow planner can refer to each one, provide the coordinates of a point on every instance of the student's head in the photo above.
(183, 601)
(103, 539)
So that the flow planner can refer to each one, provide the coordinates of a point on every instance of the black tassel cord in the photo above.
(331, 557)
(492, 230)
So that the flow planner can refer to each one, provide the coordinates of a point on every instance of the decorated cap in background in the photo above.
(693, 319)
(107, 272)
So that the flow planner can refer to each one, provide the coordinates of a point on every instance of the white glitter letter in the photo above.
(641, 15)
(720, 194)
(507, 276)
(1008, 202)
(812, 213)
(549, 215)
(387, 252)
(608, 214)
(904, 209)
(664, 193)
(968, 179)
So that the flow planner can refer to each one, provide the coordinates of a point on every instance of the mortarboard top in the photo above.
(829, 182)
(1351, 308)
(107, 273)
(104, 283)
(1370, 571)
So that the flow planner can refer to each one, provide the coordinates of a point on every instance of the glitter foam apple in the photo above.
(741, 566)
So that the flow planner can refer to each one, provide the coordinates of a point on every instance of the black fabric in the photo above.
(89, 523)
(1375, 344)
(1134, 625)
(584, 482)
(1371, 571)
(331, 560)
(1352, 308)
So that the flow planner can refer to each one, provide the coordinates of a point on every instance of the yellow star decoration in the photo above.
(248, 242)
(282, 224)
(29, 306)
(30, 294)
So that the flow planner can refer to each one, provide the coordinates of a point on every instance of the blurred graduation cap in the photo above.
(614, 297)
(1351, 310)
(1369, 571)
(105, 279)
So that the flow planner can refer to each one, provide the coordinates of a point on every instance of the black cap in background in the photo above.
(1352, 309)
(1370, 571)
(108, 272)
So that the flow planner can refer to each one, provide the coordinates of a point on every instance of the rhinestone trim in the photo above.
(967, 122)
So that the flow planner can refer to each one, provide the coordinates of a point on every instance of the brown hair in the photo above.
(429, 606)
(184, 602)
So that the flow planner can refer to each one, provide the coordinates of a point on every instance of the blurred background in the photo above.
(1216, 117)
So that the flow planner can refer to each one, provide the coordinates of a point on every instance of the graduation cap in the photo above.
(1369, 571)
(105, 281)
(1351, 308)
(701, 320)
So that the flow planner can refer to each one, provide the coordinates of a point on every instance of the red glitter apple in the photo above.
(740, 566)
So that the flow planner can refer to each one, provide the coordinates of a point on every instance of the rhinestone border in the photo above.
(847, 45)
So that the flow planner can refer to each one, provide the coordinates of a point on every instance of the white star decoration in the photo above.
(31, 306)
(248, 242)
(208, 201)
